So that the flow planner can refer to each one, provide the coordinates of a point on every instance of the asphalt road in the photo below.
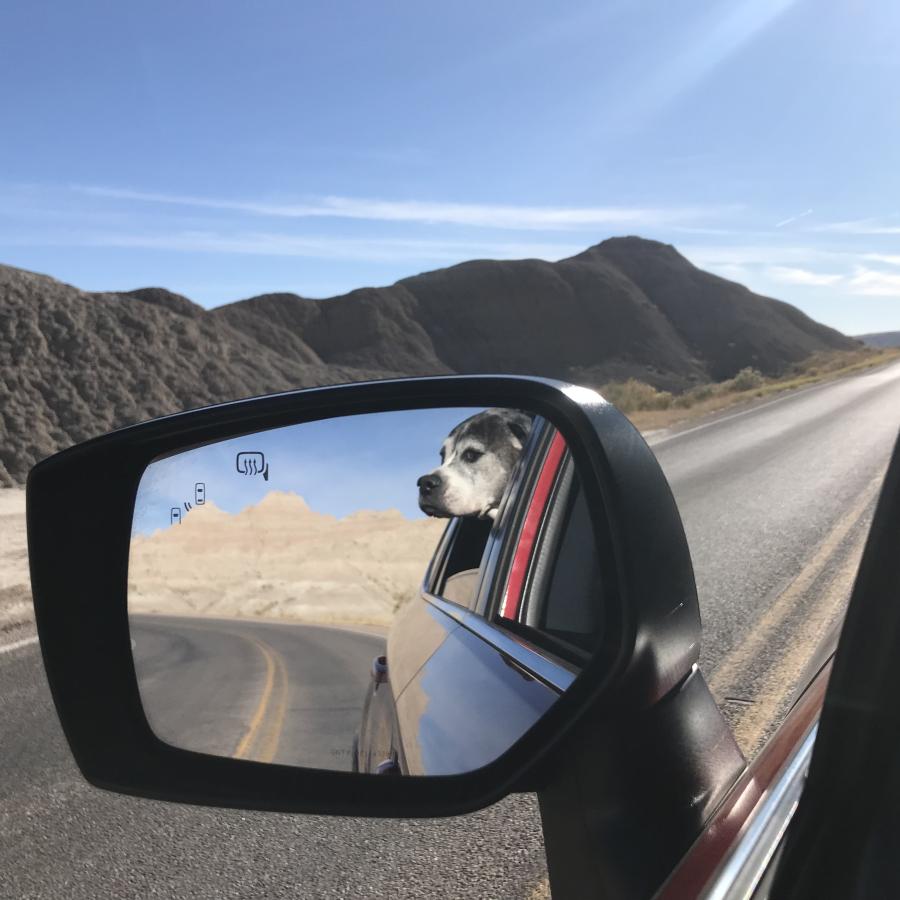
(272, 692)
(775, 501)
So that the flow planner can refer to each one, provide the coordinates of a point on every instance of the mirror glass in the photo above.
(395, 593)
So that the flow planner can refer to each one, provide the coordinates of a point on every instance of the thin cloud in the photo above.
(790, 275)
(317, 247)
(884, 225)
(875, 283)
(413, 211)
(791, 219)
(713, 255)
(888, 258)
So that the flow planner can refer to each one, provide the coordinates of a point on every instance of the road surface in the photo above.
(278, 693)
(776, 502)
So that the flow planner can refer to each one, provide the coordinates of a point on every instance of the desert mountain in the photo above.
(283, 560)
(881, 339)
(75, 364)
(626, 307)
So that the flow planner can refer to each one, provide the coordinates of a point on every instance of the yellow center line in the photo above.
(754, 720)
(770, 693)
(269, 748)
(246, 742)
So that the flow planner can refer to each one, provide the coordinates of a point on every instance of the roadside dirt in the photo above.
(15, 590)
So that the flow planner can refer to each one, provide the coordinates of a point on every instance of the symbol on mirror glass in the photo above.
(200, 493)
(175, 516)
(188, 506)
(252, 462)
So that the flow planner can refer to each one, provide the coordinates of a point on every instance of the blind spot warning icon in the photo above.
(175, 516)
(252, 462)
(200, 493)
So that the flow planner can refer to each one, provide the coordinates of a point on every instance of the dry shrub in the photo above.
(747, 379)
(634, 395)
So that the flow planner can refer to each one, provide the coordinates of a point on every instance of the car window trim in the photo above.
(434, 574)
(554, 673)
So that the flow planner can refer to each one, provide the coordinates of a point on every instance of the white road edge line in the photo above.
(16, 645)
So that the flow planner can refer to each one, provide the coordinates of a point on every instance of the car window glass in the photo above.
(561, 599)
(460, 577)
(574, 585)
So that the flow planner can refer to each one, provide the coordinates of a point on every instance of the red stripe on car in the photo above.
(512, 597)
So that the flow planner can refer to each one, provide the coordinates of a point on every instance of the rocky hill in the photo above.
(75, 364)
(283, 560)
(627, 307)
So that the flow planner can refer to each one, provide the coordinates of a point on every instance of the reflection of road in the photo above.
(269, 691)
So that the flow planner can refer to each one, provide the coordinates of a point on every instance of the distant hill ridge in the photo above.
(75, 364)
(881, 339)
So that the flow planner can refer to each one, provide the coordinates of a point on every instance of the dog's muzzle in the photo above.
(430, 488)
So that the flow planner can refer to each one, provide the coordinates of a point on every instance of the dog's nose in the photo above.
(428, 483)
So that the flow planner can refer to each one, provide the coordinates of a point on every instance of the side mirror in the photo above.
(273, 603)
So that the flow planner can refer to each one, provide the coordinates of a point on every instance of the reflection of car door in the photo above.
(507, 636)
(453, 583)
(417, 632)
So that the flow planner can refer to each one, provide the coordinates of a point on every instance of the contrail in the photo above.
(793, 218)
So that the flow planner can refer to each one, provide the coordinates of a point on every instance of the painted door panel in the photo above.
(466, 706)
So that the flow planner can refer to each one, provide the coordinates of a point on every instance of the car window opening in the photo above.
(462, 569)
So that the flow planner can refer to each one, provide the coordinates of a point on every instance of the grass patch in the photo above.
(649, 408)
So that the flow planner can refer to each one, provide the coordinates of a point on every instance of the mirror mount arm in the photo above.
(626, 794)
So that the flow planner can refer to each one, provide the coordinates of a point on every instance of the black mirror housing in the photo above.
(79, 508)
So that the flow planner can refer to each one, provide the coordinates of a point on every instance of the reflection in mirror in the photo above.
(397, 593)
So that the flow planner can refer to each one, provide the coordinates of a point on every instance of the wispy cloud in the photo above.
(790, 275)
(768, 254)
(890, 259)
(318, 247)
(544, 218)
(803, 266)
(875, 283)
(792, 219)
(877, 225)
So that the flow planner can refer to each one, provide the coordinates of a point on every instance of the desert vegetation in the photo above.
(651, 408)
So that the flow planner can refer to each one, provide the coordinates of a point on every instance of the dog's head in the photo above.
(476, 460)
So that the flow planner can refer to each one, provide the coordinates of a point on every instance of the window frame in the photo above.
(561, 652)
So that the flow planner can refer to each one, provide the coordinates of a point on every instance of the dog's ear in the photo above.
(520, 428)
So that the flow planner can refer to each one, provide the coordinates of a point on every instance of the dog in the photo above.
(477, 458)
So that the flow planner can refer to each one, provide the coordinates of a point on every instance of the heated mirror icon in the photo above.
(252, 462)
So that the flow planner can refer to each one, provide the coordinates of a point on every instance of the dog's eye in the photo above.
(471, 456)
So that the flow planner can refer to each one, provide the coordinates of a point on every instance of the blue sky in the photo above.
(339, 466)
(224, 150)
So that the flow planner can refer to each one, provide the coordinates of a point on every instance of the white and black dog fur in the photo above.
(477, 458)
